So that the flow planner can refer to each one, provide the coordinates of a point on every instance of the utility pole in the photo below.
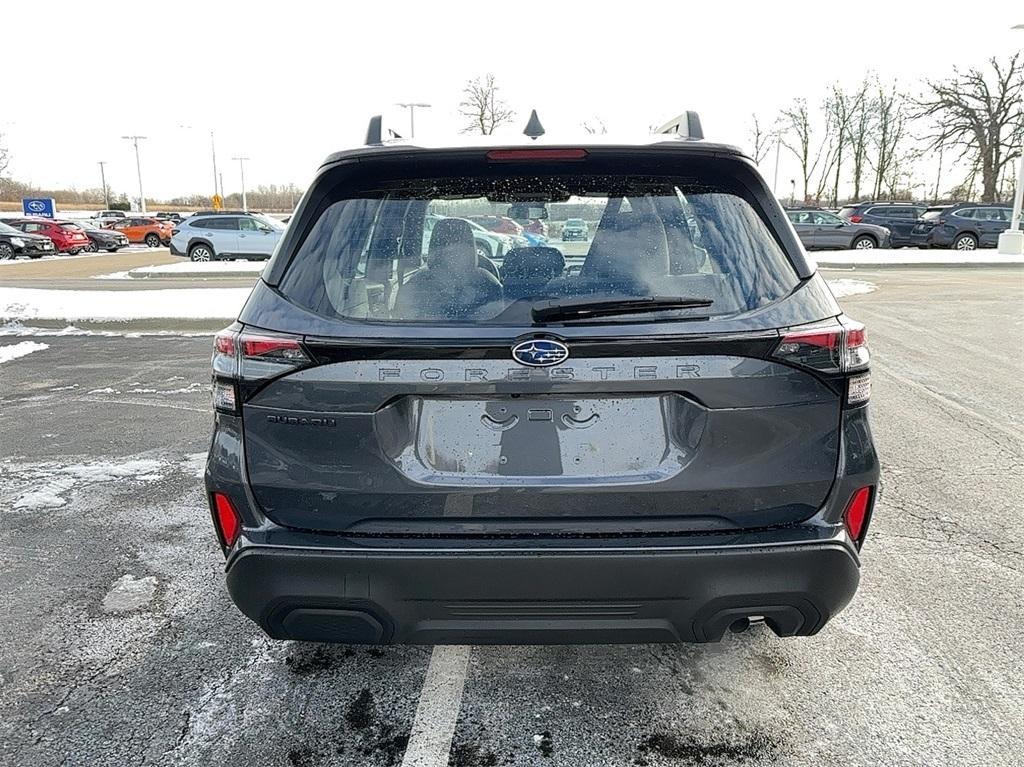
(138, 167)
(938, 177)
(775, 177)
(411, 106)
(103, 179)
(1011, 241)
(241, 165)
(213, 150)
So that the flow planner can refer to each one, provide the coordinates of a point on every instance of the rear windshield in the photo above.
(409, 254)
(848, 211)
(933, 213)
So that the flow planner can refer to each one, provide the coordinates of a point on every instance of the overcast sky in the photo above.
(287, 83)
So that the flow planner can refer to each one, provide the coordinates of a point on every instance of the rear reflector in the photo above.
(506, 155)
(228, 523)
(856, 515)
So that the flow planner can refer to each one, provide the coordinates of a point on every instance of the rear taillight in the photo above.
(839, 347)
(857, 512)
(856, 219)
(174, 231)
(240, 357)
(229, 525)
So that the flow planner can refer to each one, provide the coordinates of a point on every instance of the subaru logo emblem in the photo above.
(540, 352)
(36, 206)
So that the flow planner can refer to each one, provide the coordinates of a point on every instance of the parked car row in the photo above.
(962, 225)
(217, 235)
(14, 243)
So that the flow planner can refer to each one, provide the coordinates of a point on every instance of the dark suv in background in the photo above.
(963, 226)
(661, 439)
(898, 217)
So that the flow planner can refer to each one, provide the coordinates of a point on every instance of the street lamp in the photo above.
(138, 168)
(103, 179)
(411, 106)
(213, 152)
(1011, 242)
(241, 165)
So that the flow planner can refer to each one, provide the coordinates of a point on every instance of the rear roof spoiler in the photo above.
(686, 125)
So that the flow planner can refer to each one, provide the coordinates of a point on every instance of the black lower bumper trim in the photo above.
(539, 597)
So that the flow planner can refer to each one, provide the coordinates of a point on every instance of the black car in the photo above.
(109, 240)
(962, 226)
(898, 217)
(14, 243)
(658, 440)
(824, 230)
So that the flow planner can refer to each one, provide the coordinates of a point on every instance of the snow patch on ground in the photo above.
(19, 330)
(48, 485)
(194, 464)
(184, 303)
(190, 268)
(130, 593)
(13, 351)
(847, 287)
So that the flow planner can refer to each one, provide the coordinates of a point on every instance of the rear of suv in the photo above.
(657, 440)
(962, 226)
(210, 236)
(898, 217)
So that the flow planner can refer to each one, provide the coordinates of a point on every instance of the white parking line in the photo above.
(440, 700)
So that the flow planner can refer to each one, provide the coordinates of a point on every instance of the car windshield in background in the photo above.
(5, 229)
(273, 223)
(407, 256)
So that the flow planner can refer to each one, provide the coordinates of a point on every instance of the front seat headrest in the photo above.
(452, 246)
(536, 264)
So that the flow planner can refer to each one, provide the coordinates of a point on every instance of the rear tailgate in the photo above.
(712, 440)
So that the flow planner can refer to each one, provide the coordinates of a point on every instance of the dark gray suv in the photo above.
(660, 439)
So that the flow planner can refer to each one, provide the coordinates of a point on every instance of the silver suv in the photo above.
(208, 237)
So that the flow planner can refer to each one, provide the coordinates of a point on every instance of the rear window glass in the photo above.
(933, 213)
(848, 211)
(410, 255)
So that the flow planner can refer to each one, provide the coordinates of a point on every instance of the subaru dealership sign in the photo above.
(39, 206)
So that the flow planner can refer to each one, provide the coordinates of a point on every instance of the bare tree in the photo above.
(842, 110)
(858, 131)
(978, 113)
(798, 135)
(890, 110)
(5, 156)
(482, 108)
(762, 138)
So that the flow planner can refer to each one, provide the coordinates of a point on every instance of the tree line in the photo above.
(874, 136)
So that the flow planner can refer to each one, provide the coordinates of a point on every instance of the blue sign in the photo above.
(39, 206)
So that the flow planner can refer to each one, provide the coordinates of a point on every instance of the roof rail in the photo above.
(686, 125)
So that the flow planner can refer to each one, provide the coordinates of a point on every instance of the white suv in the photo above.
(207, 237)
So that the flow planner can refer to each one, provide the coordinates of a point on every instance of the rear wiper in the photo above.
(574, 308)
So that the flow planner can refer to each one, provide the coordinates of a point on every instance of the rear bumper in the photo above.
(537, 595)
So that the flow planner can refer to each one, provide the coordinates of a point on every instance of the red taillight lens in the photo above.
(228, 523)
(834, 348)
(857, 511)
(269, 347)
(507, 155)
(856, 219)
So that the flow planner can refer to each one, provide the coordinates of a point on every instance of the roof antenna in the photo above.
(533, 127)
(373, 132)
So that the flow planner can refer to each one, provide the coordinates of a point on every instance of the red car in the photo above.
(67, 236)
(499, 224)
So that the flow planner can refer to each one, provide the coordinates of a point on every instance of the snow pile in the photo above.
(913, 257)
(13, 351)
(847, 287)
(185, 303)
(201, 267)
(17, 329)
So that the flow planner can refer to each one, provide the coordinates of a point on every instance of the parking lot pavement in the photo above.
(82, 266)
(120, 646)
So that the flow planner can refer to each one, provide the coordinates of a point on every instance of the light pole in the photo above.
(411, 106)
(1011, 242)
(213, 153)
(103, 180)
(138, 167)
(241, 165)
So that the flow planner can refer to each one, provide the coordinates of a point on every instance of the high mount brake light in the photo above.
(835, 348)
(239, 356)
(511, 155)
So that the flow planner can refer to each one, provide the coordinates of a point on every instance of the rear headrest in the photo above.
(540, 264)
(451, 245)
(631, 245)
